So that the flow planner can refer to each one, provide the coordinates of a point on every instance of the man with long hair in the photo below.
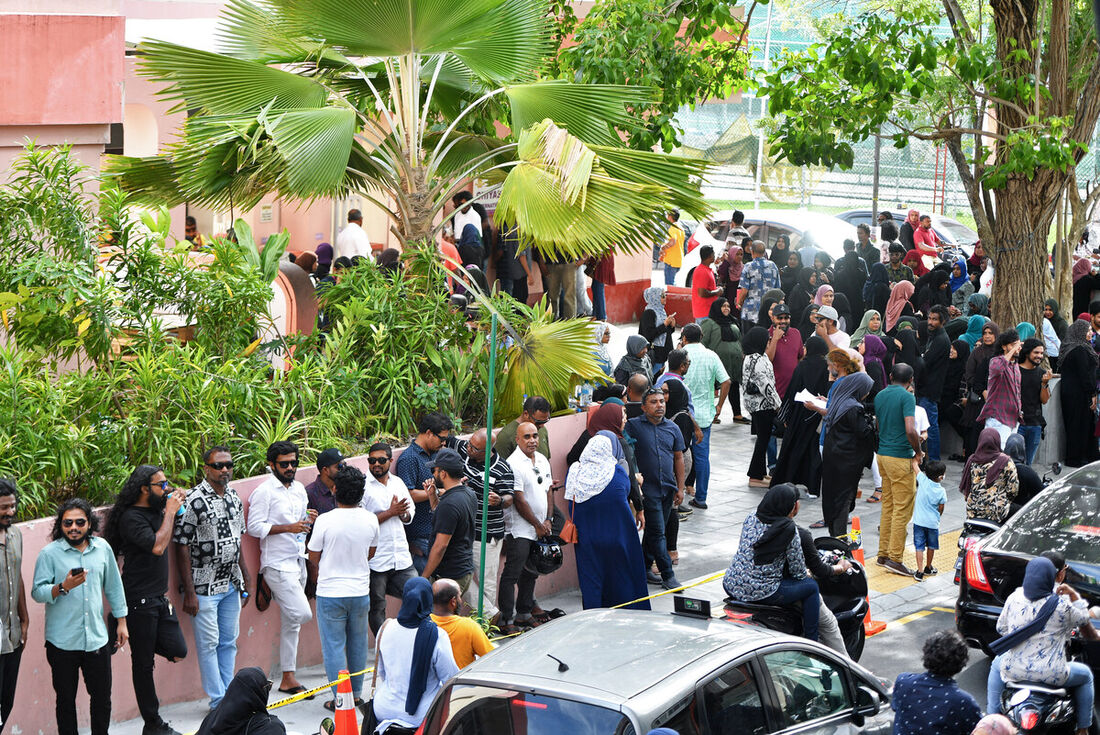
(71, 577)
(139, 528)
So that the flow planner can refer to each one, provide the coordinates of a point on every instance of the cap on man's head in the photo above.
(828, 312)
(781, 309)
(449, 461)
(329, 457)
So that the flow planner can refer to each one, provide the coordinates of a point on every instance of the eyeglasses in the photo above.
(538, 475)
(377, 460)
(163, 485)
(78, 522)
(220, 465)
(288, 463)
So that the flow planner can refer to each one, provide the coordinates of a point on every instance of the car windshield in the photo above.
(467, 709)
(962, 234)
(1066, 518)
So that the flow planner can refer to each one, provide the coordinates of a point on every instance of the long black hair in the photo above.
(75, 504)
(127, 496)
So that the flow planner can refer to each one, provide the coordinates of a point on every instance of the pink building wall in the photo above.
(258, 644)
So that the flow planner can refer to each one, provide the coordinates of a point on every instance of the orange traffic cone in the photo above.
(346, 721)
(870, 627)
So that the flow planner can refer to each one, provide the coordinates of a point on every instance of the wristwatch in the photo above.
(61, 591)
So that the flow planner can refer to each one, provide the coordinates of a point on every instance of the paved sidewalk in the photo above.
(708, 540)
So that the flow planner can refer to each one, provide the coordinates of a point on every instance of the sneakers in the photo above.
(697, 504)
(684, 510)
(161, 729)
(671, 583)
(919, 576)
(930, 571)
(651, 577)
(881, 561)
(898, 568)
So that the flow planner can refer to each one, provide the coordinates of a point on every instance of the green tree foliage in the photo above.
(690, 51)
(1014, 108)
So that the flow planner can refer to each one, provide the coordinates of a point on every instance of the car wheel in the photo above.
(854, 640)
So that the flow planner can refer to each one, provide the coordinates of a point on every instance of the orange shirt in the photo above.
(468, 640)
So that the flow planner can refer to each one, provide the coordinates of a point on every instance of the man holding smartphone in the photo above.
(71, 577)
(139, 528)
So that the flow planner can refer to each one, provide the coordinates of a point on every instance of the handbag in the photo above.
(370, 720)
(569, 530)
(263, 593)
(782, 418)
(751, 388)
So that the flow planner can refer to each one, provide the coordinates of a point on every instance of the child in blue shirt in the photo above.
(927, 510)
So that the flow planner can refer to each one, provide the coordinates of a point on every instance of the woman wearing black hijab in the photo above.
(844, 311)
(799, 459)
(954, 390)
(243, 709)
(790, 271)
(769, 566)
(780, 250)
(934, 292)
(1078, 394)
(802, 295)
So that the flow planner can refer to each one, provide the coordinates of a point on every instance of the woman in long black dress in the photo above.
(848, 449)
(799, 460)
(789, 273)
(1078, 394)
(876, 292)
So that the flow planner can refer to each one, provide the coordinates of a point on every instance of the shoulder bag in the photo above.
(569, 530)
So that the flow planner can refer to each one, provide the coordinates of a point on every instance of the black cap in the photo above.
(781, 309)
(329, 457)
(448, 460)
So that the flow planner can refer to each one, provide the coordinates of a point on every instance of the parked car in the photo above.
(950, 231)
(1066, 518)
(767, 225)
(620, 672)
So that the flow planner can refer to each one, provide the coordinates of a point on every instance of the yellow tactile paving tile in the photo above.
(882, 581)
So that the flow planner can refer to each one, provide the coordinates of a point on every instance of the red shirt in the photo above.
(702, 278)
(787, 353)
(926, 241)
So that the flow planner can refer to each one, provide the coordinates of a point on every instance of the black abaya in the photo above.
(799, 460)
(1078, 389)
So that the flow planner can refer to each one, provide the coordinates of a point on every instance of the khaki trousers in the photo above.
(899, 490)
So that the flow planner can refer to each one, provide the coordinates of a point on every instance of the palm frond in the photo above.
(591, 112)
(151, 180)
(253, 31)
(315, 145)
(224, 84)
(565, 201)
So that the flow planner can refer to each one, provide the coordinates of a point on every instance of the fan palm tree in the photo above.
(396, 101)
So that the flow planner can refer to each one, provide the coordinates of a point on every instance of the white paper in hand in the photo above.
(804, 396)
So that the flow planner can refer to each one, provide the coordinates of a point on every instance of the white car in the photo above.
(952, 233)
(828, 233)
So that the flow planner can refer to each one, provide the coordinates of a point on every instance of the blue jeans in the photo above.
(653, 537)
(933, 410)
(419, 562)
(1032, 436)
(701, 455)
(216, 627)
(670, 275)
(599, 302)
(803, 590)
(772, 454)
(342, 623)
(1079, 681)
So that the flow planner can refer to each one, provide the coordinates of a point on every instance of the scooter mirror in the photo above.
(1056, 468)
(327, 726)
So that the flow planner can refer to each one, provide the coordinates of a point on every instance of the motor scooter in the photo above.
(844, 594)
(1037, 708)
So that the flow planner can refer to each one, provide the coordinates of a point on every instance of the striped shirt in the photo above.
(501, 482)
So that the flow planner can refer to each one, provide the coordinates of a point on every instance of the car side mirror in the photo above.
(868, 704)
(1056, 468)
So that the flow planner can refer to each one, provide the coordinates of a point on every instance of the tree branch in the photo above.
(957, 19)
(1088, 106)
(982, 216)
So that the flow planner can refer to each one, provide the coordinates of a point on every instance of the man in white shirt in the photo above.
(280, 517)
(352, 240)
(341, 547)
(526, 520)
(391, 566)
(465, 214)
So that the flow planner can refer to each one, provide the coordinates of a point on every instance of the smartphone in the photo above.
(76, 571)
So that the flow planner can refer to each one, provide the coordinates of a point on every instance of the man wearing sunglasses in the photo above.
(413, 467)
(536, 410)
(72, 575)
(319, 492)
(280, 517)
(139, 528)
(392, 565)
(212, 571)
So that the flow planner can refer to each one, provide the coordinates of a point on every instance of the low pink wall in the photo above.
(258, 644)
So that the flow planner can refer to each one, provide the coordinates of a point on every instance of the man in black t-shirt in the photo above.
(139, 529)
(930, 380)
(1034, 392)
(454, 507)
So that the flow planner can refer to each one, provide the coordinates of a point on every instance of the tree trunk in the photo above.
(1019, 253)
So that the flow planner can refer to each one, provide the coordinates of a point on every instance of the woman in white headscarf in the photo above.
(657, 325)
(601, 332)
(610, 570)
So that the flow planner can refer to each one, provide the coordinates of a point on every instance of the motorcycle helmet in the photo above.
(546, 556)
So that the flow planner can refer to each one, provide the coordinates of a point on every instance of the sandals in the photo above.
(296, 690)
(876, 497)
(556, 613)
(741, 420)
(819, 524)
(510, 629)
(330, 705)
